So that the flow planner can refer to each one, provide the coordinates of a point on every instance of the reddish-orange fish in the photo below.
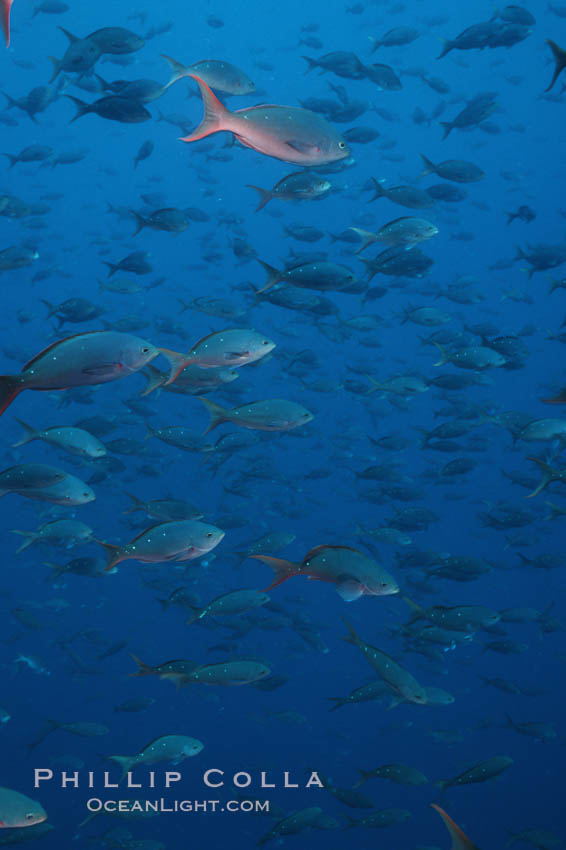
(288, 133)
(460, 840)
(5, 8)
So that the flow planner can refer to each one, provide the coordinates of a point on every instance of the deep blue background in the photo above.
(523, 165)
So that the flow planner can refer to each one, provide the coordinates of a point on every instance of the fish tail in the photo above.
(155, 379)
(113, 554)
(559, 399)
(30, 537)
(430, 168)
(447, 127)
(177, 362)
(273, 276)
(367, 236)
(29, 434)
(312, 63)
(11, 100)
(264, 196)
(82, 107)
(113, 268)
(56, 68)
(352, 636)
(416, 610)
(448, 46)
(459, 838)
(216, 412)
(140, 222)
(338, 702)
(125, 763)
(510, 217)
(282, 568)
(548, 474)
(197, 614)
(51, 308)
(178, 70)
(365, 775)
(9, 389)
(143, 669)
(136, 503)
(13, 159)
(378, 189)
(5, 14)
(216, 117)
(559, 59)
(442, 784)
(445, 355)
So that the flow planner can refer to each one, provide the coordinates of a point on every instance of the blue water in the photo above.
(521, 154)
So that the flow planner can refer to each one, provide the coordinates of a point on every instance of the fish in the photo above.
(5, 15)
(286, 133)
(170, 748)
(166, 542)
(482, 771)
(299, 186)
(401, 683)
(353, 573)
(271, 415)
(234, 347)
(17, 810)
(218, 74)
(82, 360)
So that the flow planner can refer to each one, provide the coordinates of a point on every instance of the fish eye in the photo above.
(265, 342)
(30, 816)
(145, 350)
(209, 533)
(341, 145)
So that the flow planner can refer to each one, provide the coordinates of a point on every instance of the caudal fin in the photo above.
(29, 538)
(82, 107)
(177, 362)
(368, 238)
(178, 71)
(559, 59)
(113, 554)
(283, 569)
(273, 276)
(217, 413)
(312, 63)
(125, 763)
(216, 117)
(143, 669)
(548, 474)
(28, 435)
(9, 389)
(264, 196)
(378, 189)
(429, 166)
(460, 840)
(155, 379)
(140, 222)
(6, 5)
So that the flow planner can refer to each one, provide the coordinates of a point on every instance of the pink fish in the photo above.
(460, 840)
(283, 132)
(5, 8)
